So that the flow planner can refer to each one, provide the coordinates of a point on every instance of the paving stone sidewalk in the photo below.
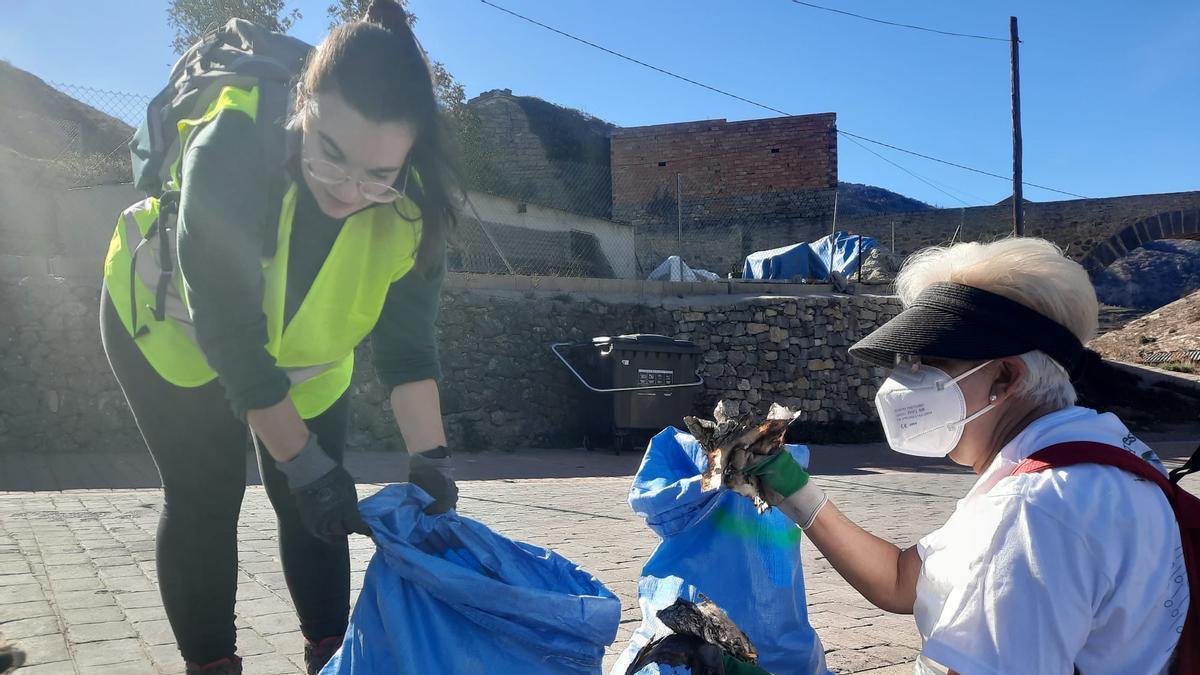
(77, 577)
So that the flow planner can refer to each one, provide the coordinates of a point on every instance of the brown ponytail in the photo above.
(377, 65)
(389, 14)
(1139, 401)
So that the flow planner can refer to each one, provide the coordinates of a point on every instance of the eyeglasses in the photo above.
(332, 174)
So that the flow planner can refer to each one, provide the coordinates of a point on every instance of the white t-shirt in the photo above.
(1046, 572)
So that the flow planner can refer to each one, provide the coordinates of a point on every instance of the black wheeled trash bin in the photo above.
(639, 384)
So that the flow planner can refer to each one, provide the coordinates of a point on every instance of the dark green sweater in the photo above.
(223, 210)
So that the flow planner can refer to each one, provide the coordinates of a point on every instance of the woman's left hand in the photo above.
(433, 472)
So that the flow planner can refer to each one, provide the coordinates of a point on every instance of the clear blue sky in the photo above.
(1111, 90)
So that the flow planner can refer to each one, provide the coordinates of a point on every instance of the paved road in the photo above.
(77, 578)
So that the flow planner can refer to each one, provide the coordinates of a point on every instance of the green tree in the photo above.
(191, 19)
(345, 11)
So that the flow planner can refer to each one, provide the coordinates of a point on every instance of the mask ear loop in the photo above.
(970, 418)
(991, 400)
(956, 380)
(964, 422)
(961, 423)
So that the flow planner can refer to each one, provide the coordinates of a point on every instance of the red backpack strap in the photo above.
(1090, 452)
(1187, 512)
(1185, 504)
(1189, 467)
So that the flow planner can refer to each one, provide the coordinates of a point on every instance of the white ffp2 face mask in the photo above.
(923, 411)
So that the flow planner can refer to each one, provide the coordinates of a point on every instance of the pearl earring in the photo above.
(993, 399)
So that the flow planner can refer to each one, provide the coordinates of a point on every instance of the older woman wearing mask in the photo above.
(1046, 572)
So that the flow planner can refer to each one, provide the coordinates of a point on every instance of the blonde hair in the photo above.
(1033, 272)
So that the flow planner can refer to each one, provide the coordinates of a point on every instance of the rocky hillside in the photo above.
(1172, 330)
(1155, 274)
(856, 199)
(50, 132)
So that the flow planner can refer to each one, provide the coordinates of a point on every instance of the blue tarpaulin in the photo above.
(445, 594)
(786, 263)
(717, 544)
(808, 261)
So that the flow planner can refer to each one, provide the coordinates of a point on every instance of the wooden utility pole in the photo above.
(679, 213)
(860, 258)
(1018, 199)
(832, 234)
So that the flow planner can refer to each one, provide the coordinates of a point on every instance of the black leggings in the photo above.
(200, 448)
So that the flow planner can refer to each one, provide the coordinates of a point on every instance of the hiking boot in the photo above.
(227, 666)
(317, 654)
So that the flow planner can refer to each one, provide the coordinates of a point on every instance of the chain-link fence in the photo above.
(542, 196)
(80, 135)
(542, 217)
(713, 223)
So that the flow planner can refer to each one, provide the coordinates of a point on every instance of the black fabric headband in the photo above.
(1019, 323)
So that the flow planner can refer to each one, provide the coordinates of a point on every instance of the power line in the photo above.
(955, 164)
(899, 25)
(631, 59)
(765, 106)
(911, 173)
(978, 200)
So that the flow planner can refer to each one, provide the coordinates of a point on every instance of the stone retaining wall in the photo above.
(503, 388)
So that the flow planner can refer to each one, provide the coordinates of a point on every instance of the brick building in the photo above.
(714, 191)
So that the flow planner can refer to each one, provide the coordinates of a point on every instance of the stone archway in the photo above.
(1181, 224)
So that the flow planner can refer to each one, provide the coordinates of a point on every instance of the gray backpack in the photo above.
(239, 54)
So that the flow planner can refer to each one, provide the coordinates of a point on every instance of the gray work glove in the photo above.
(324, 493)
(433, 472)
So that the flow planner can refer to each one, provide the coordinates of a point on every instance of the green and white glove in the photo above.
(789, 488)
(781, 472)
(733, 666)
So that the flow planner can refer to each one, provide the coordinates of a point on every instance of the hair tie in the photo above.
(389, 14)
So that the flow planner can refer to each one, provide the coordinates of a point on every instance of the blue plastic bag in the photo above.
(655, 594)
(716, 544)
(445, 594)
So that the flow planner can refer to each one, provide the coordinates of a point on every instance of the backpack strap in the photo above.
(1090, 452)
(168, 208)
(274, 108)
(1185, 506)
(1190, 466)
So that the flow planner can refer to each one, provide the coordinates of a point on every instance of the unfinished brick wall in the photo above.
(746, 184)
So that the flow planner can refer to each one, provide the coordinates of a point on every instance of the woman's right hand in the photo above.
(325, 494)
(781, 474)
(786, 485)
